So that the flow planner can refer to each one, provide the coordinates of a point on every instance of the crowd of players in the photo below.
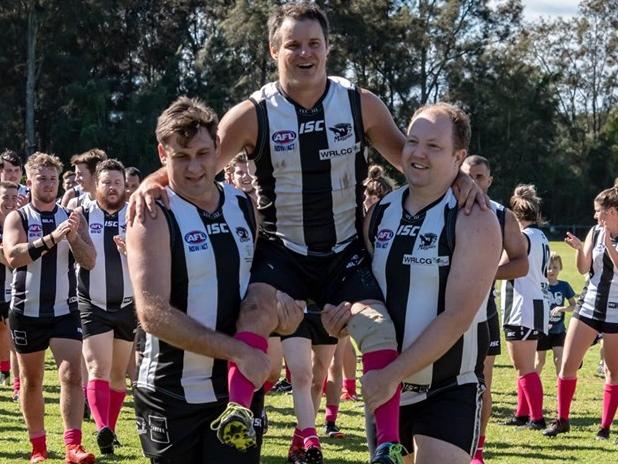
(303, 249)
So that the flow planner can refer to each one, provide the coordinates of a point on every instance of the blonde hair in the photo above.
(555, 258)
(526, 204)
(40, 160)
(608, 198)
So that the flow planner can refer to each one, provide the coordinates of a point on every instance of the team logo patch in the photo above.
(284, 140)
(428, 241)
(196, 240)
(243, 234)
(329, 154)
(383, 237)
(35, 230)
(158, 429)
(96, 228)
(342, 131)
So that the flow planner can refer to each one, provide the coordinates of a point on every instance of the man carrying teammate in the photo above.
(106, 303)
(41, 242)
(424, 252)
(190, 270)
(514, 264)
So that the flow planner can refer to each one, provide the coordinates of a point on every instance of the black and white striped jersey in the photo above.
(599, 299)
(6, 277)
(500, 212)
(310, 167)
(45, 288)
(84, 200)
(525, 300)
(107, 286)
(211, 259)
(411, 262)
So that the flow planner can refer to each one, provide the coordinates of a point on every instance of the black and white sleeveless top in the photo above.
(6, 277)
(45, 288)
(411, 261)
(310, 167)
(599, 299)
(500, 212)
(525, 300)
(209, 274)
(107, 286)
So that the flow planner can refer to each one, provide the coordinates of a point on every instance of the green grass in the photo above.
(504, 444)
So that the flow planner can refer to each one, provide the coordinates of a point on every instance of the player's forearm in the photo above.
(84, 253)
(22, 254)
(513, 269)
(158, 177)
(176, 328)
(582, 262)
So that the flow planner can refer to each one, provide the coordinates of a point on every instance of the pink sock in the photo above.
(72, 437)
(387, 415)
(297, 439)
(5, 366)
(39, 443)
(533, 389)
(331, 413)
(99, 402)
(349, 385)
(16, 385)
(566, 390)
(324, 386)
(240, 388)
(268, 386)
(479, 448)
(310, 437)
(116, 400)
(522, 403)
(610, 403)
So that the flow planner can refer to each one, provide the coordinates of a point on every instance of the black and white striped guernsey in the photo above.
(47, 287)
(525, 300)
(107, 286)
(211, 259)
(411, 261)
(310, 167)
(500, 212)
(599, 300)
(6, 276)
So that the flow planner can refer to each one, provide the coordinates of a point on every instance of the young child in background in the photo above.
(560, 292)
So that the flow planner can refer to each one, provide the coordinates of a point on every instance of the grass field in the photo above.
(504, 444)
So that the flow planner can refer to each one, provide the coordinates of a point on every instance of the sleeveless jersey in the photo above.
(599, 300)
(45, 288)
(411, 262)
(107, 286)
(84, 200)
(310, 167)
(500, 212)
(6, 277)
(525, 300)
(211, 259)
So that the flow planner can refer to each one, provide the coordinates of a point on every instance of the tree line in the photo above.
(83, 73)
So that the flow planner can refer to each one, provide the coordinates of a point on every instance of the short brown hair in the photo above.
(184, 117)
(68, 174)
(90, 158)
(555, 258)
(461, 122)
(608, 198)
(298, 11)
(377, 183)
(239, 158)
(526, 204)
(109, 165)
(42, 160)
(8, 185)
(12, 157)
(477, 160)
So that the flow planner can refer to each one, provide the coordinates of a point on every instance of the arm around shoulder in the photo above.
(516, 250)
(238, 131)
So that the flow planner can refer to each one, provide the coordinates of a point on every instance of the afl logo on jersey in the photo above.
(243, 234)
(284, 140)
(196, 240)
(96, 228)
(35, 230)
(383, 237)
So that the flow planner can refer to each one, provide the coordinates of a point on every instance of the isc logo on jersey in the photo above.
(96, 228)
(409, 230)
(111, 223)
(283, 140)
(196, 240)
(383, 237)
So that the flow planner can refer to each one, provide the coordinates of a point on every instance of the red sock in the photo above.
(297, 439)
(268, 386)
(39, 444)
(116, 400)
(479, 448)
(522, 403)
(349, 385)
(533, 389)
(72, 437)
(566, 390)
(99, 401)
(16, 384)
(5, 366)
(331, 413)
(310, 437)
(387, 415)
(288, 374)
(240, 388)
(324, 386)
(610, 403)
